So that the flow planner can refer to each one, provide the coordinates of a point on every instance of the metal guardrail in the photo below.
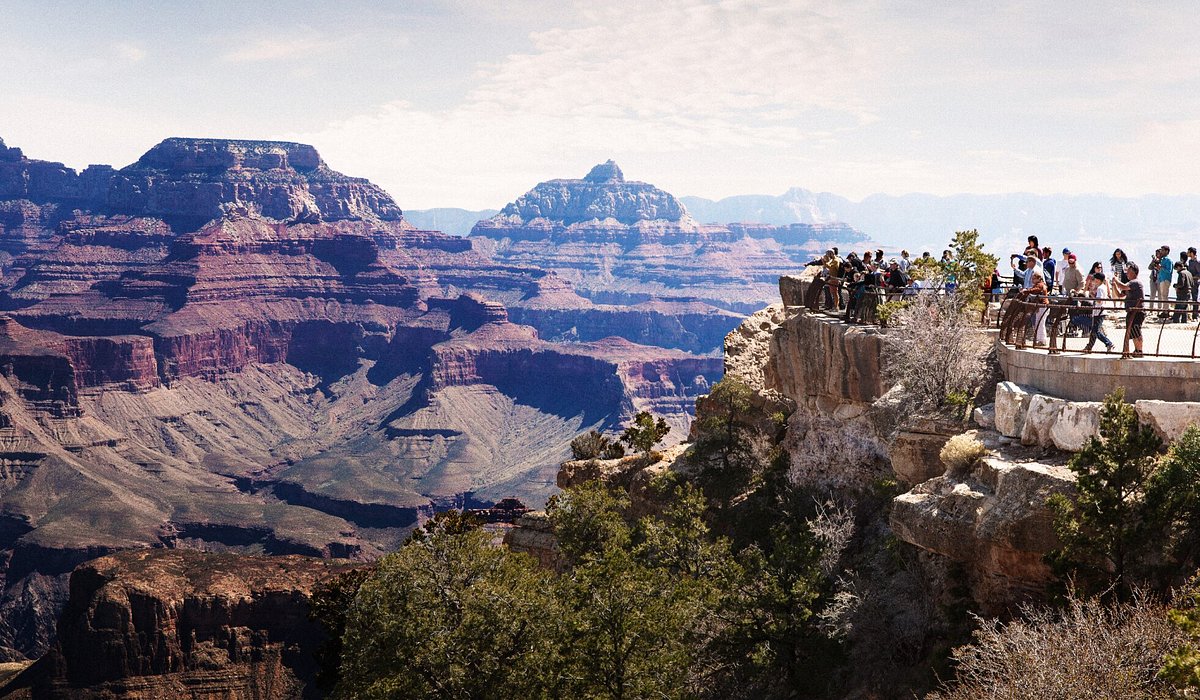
(1169, 328)
(859, 303)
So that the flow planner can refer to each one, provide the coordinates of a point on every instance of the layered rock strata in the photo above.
(229, 346)
(626, 242)
(156, 624)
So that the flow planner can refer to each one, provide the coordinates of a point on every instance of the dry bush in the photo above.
(962, 452)
(833, 524)
(1087, 651)
(937, 352)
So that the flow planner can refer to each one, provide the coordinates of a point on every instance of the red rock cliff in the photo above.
(176, 623)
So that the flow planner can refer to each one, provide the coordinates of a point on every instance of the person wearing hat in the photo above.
(1072, 276)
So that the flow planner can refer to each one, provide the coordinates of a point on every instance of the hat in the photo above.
(1066, 250)
(1071, 256)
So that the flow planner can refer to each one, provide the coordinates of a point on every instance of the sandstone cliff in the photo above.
(846, 435)
(157, 624)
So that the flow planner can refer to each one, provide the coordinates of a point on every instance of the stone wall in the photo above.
(1021, 413)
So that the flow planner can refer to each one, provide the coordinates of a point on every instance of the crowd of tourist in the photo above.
(1037, 277)
(846, 282)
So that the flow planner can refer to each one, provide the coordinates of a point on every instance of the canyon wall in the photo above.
(155, 624)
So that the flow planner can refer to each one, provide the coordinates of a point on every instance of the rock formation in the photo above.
(618, 241)
(846, 434)
(160, 623)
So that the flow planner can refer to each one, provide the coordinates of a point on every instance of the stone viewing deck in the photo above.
(1168, 371)
(1079, 377)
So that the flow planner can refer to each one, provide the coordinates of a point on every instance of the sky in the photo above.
(469, 103)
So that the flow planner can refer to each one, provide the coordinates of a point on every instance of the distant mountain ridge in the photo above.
(1098, 220)
(452, 220)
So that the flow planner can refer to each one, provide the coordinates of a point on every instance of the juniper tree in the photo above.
(645, 432)
(1105, 530)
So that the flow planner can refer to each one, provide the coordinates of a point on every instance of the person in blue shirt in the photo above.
(1162, 276)
(1048, 265)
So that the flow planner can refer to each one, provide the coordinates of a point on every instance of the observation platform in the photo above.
(1169, 369)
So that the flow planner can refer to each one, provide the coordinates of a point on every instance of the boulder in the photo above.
(793, 287)
(993, 519)
(1039, 420)
(1168, 418)
(1012, 401)
(916, 456)
(1077, 422)
(985, 416)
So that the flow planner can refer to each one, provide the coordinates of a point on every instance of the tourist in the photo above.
(879, 256)
(1184, 284)
(1048, 265)
(1135, 313)
(1193, 265)
(1118, 262)
(947, 264)
(1098, 291)
(1163, 279)
(833, 280)
(1032, 242)
(1018, 264)
(992, 285)
(896, 280)
(904, 262)
(857, 279)
(1060, 269)
(1039, 295)
(1160, 276)
(1071, 277)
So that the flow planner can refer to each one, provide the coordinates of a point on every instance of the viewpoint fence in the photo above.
(860, 303)
(1169, 328)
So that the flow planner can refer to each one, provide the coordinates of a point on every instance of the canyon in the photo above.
(229, 346)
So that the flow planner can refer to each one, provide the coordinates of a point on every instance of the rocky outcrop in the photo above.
(191, 181)
(827, 360)
(160, 623)
(994, 520)
(533, 534)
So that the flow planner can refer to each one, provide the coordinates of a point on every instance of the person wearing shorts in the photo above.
(1134, 313)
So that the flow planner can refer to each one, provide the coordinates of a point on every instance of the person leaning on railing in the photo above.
(1135, 312)
(1039, 302)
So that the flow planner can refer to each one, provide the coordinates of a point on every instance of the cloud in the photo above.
(298, 43)
(129, 51)
(640, 81)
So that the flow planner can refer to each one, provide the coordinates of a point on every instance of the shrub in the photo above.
(593, 444)
(1108, 532)
(645, 432)
(937, 352)
(962, 452)
(886, 311)
(1088, 650)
